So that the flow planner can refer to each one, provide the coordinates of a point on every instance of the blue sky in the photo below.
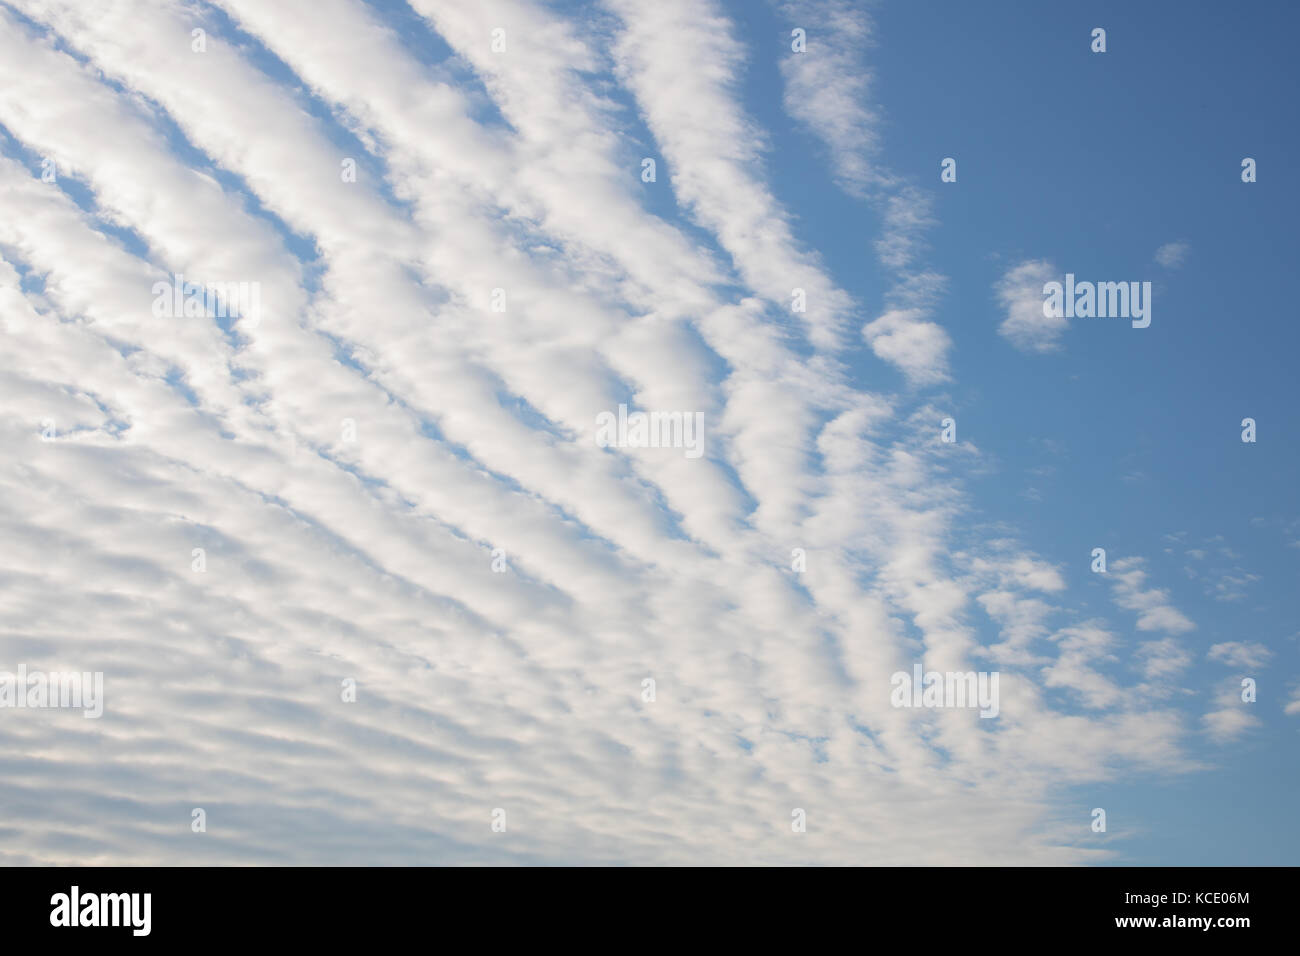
(498, 582)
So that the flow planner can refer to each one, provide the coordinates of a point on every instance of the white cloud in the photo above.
(1293, 705)
(714, 149)
(1020, 293)
(1172, 254)
(1246, 655)
(1155, 612)
(1231, 717)
(828, 87)
(1082, 648)
(827, 91)
(1163, 658)
(916, 346)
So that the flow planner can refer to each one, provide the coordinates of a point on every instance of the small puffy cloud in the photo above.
(918, 347)
(1164, 658)
(1232, 585)
(1082, 646)
(1154, 611)
(1020, 293)
(1293, 705)
(1245, 655)
(1231, 717)
(1172, 254)
(1021, 570)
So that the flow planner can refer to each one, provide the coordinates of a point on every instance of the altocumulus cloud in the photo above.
(357, 572)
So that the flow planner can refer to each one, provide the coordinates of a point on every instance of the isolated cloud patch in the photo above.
(1231, 716)
(1020, 293)
(1153, 606)
(918, 347)
(1172, 254)
(1248, 655)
